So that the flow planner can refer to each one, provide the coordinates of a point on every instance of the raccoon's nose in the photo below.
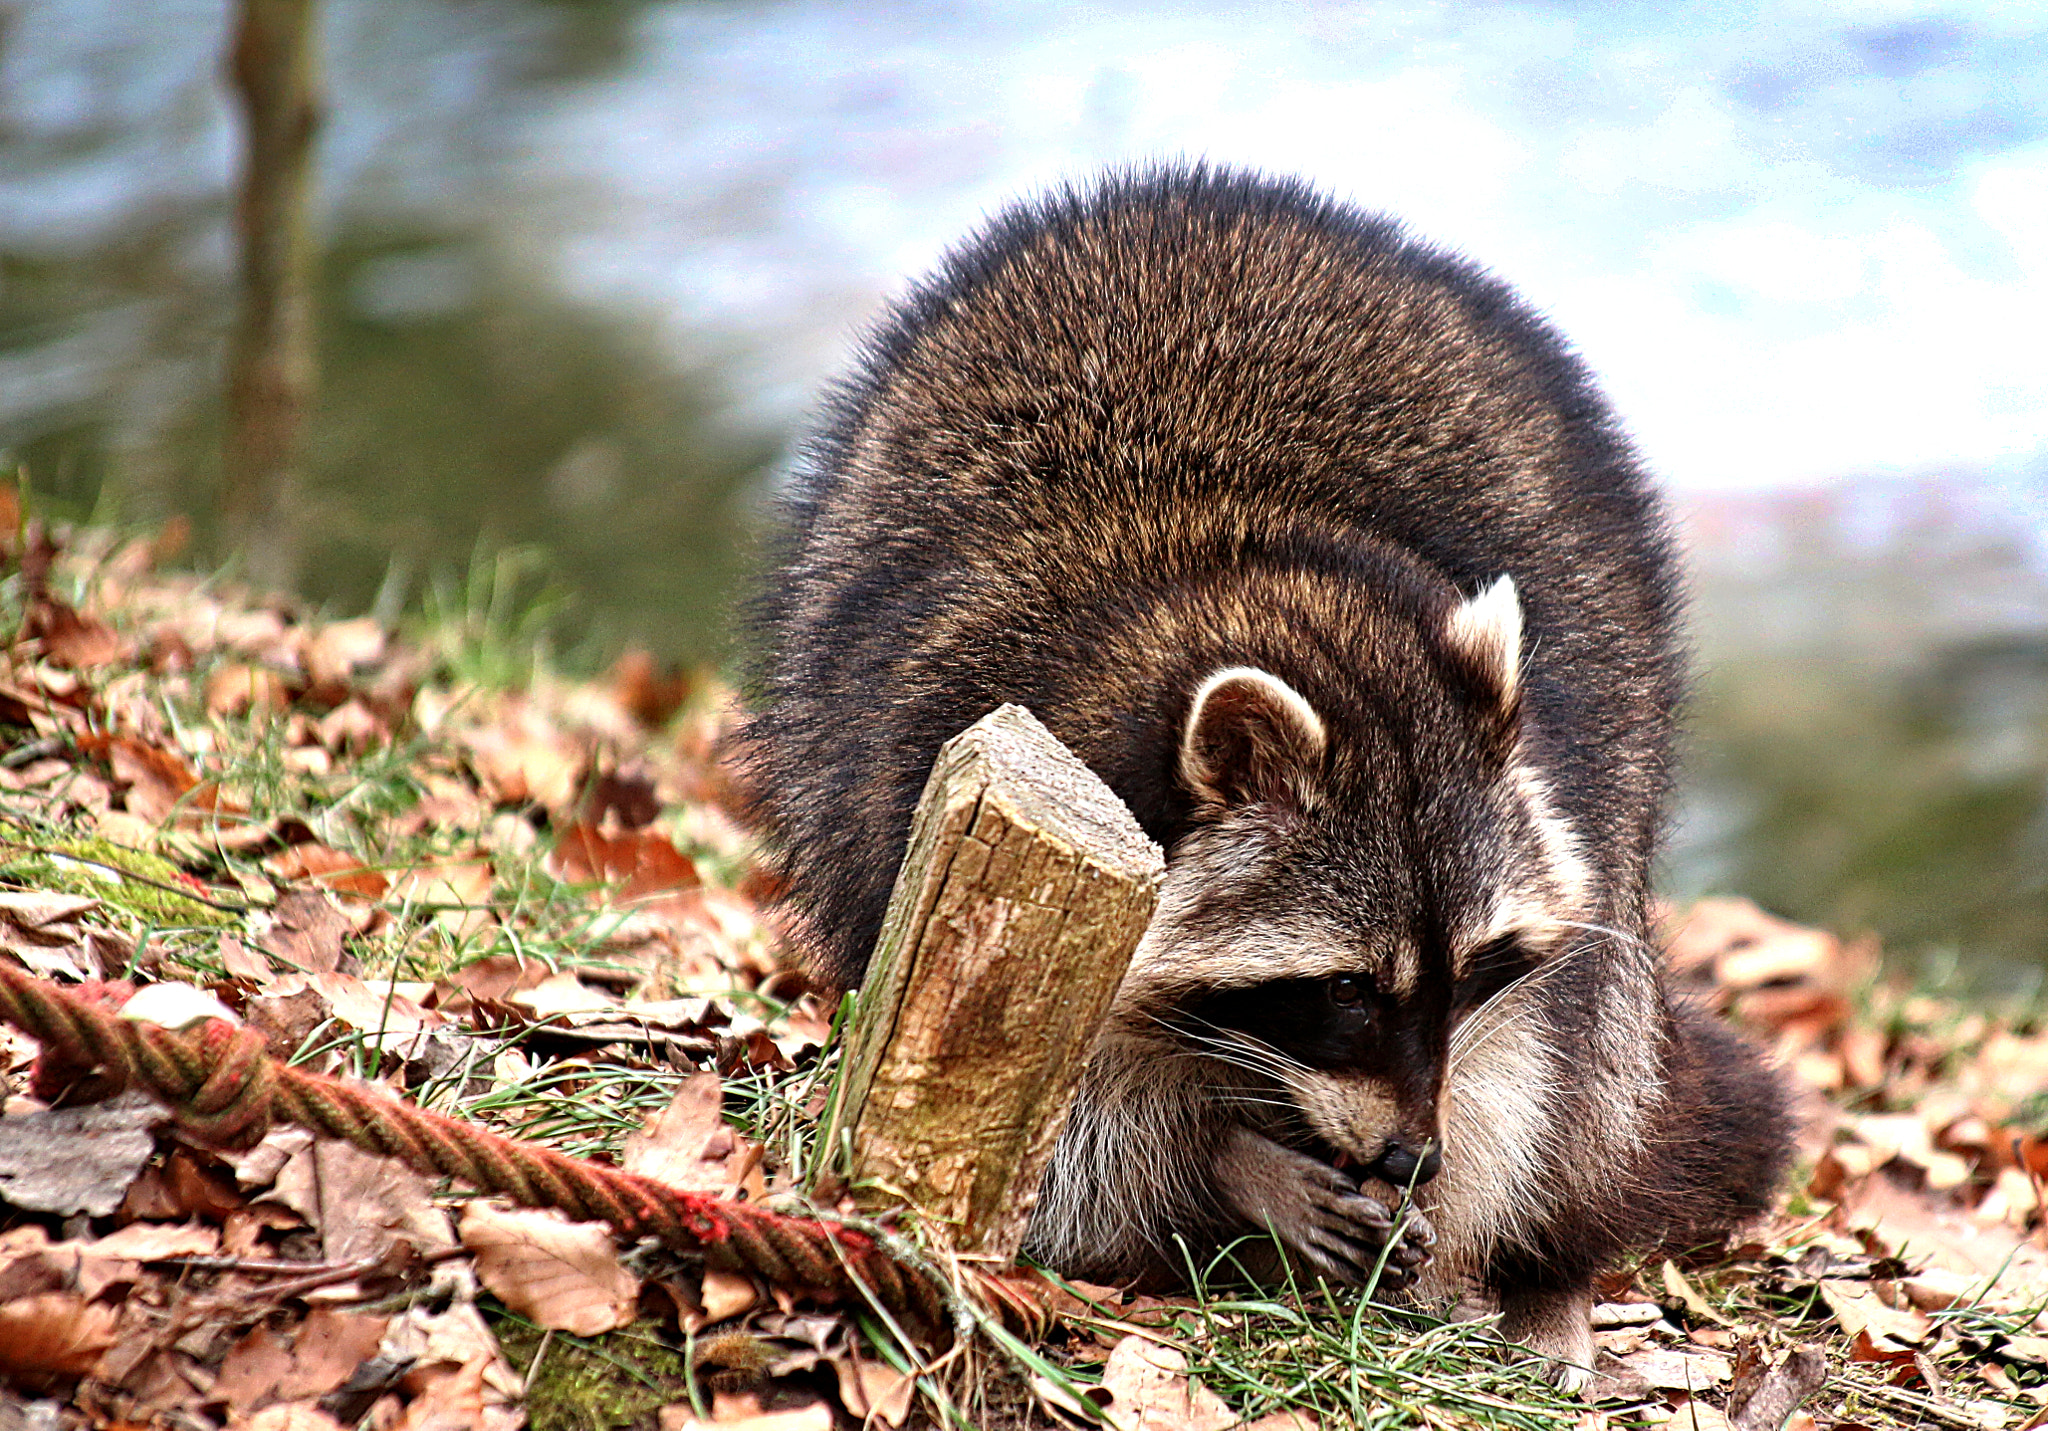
(1400, 1165)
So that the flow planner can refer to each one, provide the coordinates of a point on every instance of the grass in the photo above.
(1349, 1360)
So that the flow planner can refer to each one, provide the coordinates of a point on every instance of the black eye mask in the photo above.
(1333, 1023)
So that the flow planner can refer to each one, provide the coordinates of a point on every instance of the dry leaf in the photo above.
(641, 863)
(456, 1337)
(447, 1398)
(1676, 1285)
(325, 866)
(689, 1145)
(724, 1295)
(359, 1203)
(525, 760)
(290, 1416)
(564, 1275)
(653, 698)
(1697, 1416)
(564, 993)
(869, 1389)
(54, 1334)
(72, 640)
(351, 728)
(1860, 1313)
(462, 885)
(1762, 1395)
(251, 1370)
(175, 1004)
(337, 650)
(306, 930)
(236, 689)
(73, 1160)
(386, 1018)
(742, 1412)
(1151, 1391)
(1669, 1369)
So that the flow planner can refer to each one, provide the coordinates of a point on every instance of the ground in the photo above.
(420, 858)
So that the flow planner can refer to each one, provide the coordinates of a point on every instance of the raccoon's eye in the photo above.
(1347, 991)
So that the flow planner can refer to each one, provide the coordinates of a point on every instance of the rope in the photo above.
(223, 1086)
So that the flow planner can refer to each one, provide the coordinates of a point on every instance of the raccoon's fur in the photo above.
(1323, 551)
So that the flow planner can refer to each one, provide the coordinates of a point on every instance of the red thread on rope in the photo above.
(223, 1087)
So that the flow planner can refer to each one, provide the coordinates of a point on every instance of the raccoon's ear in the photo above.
(1250, 738)
(1488, 628)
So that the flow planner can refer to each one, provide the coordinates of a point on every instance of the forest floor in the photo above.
(420, 858)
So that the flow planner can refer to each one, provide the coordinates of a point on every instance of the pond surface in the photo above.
(585, 266)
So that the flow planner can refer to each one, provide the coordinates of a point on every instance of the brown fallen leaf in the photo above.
(1859, 1313)
(1670, 1369)
(463, 886)
(72, 639)
(251, 1370)
(564, 1275)
(640, 862)
(524, 760)
(1763, 1393)
(306, 931)
(653, 697)
(323, 865)
(447, 1398)
(741, 1411)
(336, 651)
(386, 1018)
(622, 797)
(78, 1160)
(52, 934)
(690, 1146)
(326, 1350)
(158, 783)
(352, 728)
(454, 1338)
(290, 1416)
(1150, 1391)
(722, 1296)
(236, 689)
(1695, 1415)
(117, 1257)
(54, 1334)
(359, 1203)
(1676, 1286)
(872, 1390)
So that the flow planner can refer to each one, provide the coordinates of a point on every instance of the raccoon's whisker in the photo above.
(1476, 1030)
(1233, 1046)
(1624, 936)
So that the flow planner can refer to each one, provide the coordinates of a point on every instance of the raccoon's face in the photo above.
(1356, 883)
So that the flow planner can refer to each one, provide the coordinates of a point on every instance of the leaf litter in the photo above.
(537, 908)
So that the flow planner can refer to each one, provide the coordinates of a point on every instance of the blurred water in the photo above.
(587, 264)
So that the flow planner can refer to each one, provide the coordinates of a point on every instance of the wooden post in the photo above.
(1025, 888)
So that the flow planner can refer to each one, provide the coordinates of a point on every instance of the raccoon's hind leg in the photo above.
(1557, 1324)
(1319, 1213)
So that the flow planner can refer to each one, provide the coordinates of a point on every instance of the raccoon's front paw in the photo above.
(1321, 1215)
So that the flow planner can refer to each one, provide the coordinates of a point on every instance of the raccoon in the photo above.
(1323, 551)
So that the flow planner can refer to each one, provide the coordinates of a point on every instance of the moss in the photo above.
(141, 885)
(621, 1379)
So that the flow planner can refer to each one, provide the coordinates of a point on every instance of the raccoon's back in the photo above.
(1112, 400)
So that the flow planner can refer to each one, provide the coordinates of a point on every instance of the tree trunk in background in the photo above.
(271, 373)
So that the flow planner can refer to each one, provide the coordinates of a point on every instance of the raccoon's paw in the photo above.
(1321, 1215)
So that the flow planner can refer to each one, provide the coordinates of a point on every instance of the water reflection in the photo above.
(583, 262)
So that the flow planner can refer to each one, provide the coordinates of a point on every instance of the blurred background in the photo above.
(582, 269)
